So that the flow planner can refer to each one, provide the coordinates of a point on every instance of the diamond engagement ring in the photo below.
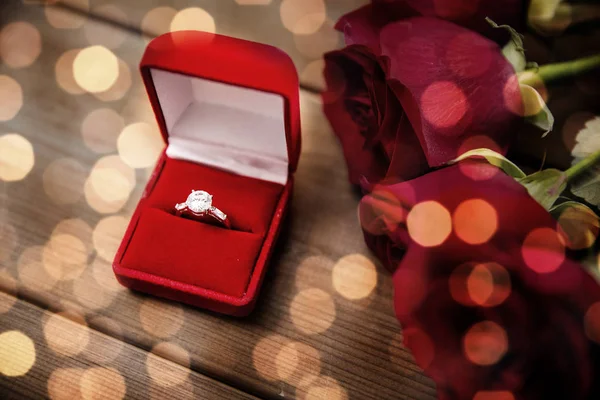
(199, 206)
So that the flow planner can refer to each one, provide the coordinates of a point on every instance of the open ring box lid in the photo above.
(228, 110)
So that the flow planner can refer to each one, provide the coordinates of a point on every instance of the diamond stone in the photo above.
(199, 201)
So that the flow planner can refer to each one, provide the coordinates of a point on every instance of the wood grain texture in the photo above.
(72, 360)
(307, 337)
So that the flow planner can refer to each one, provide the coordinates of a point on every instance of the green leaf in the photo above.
(545, 186)
(493, 158)
(587, 186)
(536, 110)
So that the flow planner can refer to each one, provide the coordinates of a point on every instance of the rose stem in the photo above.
(582, 166)
(552, 72)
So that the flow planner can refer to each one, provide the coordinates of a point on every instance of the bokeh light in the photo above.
(100, 130)
(443, 104)
(262, 356)
(140, 145)
(33, 272)
(167, 374)
(580, 226)
(429, 223)
(91, 294)
(11, 98)
(65, 256)
(486, 284)
(485, 343)
(543, 250)
(78, 228)
(120, 87)
(253, 2)
(17, 353)
(310, 270)
(312, 311)
(62, 18)
(303, 17)
(98, 33)
(95, 69)
(61, 190)
(109, 185)
(16, 157)
(104, 276)
(298, 364)
(63, 71)
(20, 44)
(158, 20)
(107, 236)
(354, 276)
(592, 322)
(160, 318)
(104, 348)
(475, 221)
(325, 388)
(193, 18)
(63, 384)
(66, 333)
(104, 382)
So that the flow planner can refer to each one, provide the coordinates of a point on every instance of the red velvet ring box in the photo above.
(228, 110)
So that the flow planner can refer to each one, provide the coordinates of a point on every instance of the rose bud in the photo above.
(489, 302)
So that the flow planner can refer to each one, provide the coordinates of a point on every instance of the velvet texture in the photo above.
(198, 253)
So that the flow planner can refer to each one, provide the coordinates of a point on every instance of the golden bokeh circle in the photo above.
(160, 318)
(60, 190)
(66, 333)
(33, 273)
(315, 45)
(16, 157)
(168, 374)
(11, 98)
(109, 185)
(429, 223)
(263, 358)
(158, 20)
(193, 18)
(100, 130)
(78, 228)
(8, 291)
(140, 145)
(103, 274)
(65, 256)
(17, 353)
(61, 18)
(98, 33)
(107, 381)
(298, 364)
(312, 311)
(95, 69)
(120, 87)
(104, 348)
(475, 221)
(486, 284)
(354, 276)
(303, 17)
(63, 384)
(20, 44)
(107, 236)
(485, 343)
(325, 387)
(63, 72)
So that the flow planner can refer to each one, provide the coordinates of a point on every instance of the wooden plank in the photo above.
(303, 29)
(57, 356)
(318, 330)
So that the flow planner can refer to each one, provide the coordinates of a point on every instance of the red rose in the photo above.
(489, 302)
(407, 95)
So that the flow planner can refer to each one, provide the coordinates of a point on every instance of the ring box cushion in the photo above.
(233, 134)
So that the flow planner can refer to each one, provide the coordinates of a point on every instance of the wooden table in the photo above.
(324, 326)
